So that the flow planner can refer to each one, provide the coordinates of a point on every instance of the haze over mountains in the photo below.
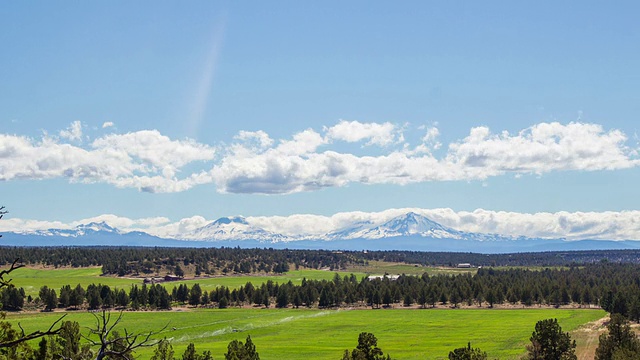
(409, 231)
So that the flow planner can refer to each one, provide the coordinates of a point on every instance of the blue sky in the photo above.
(157, 109)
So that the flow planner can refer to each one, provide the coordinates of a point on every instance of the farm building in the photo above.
(390, 277)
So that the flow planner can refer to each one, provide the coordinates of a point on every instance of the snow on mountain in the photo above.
(347, 232)
(410, 224)
(93, 228)
(237, 228)
(232, 228)
(409, 231)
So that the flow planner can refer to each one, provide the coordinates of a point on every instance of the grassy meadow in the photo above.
(31, 279)
(325, 334)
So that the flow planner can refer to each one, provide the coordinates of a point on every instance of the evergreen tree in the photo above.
(163, 351)
(618, 341)
(282, 300)
(223, 303)
(178, 271)
(367, 349)
(236, 350)
(190, 353)
(467, 353)
(49, 298)
(548, 342)
(195, 294)
(76, 298)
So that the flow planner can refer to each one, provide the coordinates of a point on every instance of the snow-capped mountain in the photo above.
(410, 224)
(232, 228)
(93, 228)
(408, 231)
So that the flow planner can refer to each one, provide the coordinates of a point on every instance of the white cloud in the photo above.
(260, 137)
(145, 160)
(609, 225)
(124, 223)
(107, 124)
(537, 150)
(543, 148)
(354, 131)
(256, 163)
(73, 132)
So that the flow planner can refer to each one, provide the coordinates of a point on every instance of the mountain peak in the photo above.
(229, 220)
(96, 226)
(413, 223)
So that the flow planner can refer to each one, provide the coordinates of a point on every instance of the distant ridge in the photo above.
(409, 231)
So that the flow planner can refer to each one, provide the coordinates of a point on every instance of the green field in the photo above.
(324, 334)
(381, 267)
(32, 279)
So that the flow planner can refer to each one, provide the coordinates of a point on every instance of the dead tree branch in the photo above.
(14, 266)
(34, 335)
(118, 345)
(2, 212)
(23, 336)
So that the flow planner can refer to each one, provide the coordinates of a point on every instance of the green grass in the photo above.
(234, 281)
(32, 279)
(324, 334)
(381, 267)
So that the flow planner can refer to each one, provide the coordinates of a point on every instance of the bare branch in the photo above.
(34, 335)
(14, 266)
(23, 336)
(129, 341)
(2, 212)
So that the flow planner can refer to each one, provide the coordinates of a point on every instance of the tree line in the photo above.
(123, 261)
(148, 260)
(614, 287)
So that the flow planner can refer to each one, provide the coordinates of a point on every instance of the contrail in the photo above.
(203, 88)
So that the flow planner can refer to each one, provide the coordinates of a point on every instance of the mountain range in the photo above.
(410, 231)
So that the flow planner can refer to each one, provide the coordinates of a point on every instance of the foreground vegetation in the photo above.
(325, 334)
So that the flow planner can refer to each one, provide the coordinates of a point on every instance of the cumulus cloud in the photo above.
(145, 160)
(260, 138)
(539, 149)
(543, 148)
(355, 131)
(310, 160)
(73, 132)
(609, 225)
(107, 124)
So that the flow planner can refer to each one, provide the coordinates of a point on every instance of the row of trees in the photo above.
(145, 260)
(123, 261)
(614, 287)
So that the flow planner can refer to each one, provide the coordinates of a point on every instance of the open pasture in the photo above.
(325, 334)
(392, 268)
(31, 279)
